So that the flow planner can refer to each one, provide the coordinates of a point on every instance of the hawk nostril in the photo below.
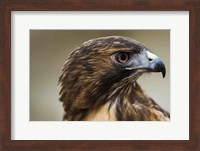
(150, 59)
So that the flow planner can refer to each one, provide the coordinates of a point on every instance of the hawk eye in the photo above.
(122, 57)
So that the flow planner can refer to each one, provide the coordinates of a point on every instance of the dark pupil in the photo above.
(123, 57)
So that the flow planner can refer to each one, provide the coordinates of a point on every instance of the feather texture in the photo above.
(94, 86)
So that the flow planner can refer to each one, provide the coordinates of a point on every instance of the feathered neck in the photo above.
(127, 104)
(115, 94)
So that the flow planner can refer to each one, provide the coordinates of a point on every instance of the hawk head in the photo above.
(103, 72)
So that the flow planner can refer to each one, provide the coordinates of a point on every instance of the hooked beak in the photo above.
(147, 63)
(155, 64)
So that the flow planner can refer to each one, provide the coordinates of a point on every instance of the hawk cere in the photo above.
(99, 82)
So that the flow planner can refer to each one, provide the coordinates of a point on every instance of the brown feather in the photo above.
(92, 88)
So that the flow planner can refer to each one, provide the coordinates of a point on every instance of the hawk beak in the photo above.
(147, 62)
(155, 64)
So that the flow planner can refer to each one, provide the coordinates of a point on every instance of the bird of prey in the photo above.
(99, 82)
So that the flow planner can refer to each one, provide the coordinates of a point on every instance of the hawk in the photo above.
(99, 82)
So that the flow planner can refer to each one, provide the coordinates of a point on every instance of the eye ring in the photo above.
(122, 57)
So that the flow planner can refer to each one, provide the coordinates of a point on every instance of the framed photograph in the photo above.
(58, 56)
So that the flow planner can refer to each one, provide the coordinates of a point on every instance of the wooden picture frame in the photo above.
(7, 6)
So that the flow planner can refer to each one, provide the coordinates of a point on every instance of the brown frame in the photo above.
(6, 6)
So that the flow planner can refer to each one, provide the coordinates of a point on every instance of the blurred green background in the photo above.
(50, 48)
